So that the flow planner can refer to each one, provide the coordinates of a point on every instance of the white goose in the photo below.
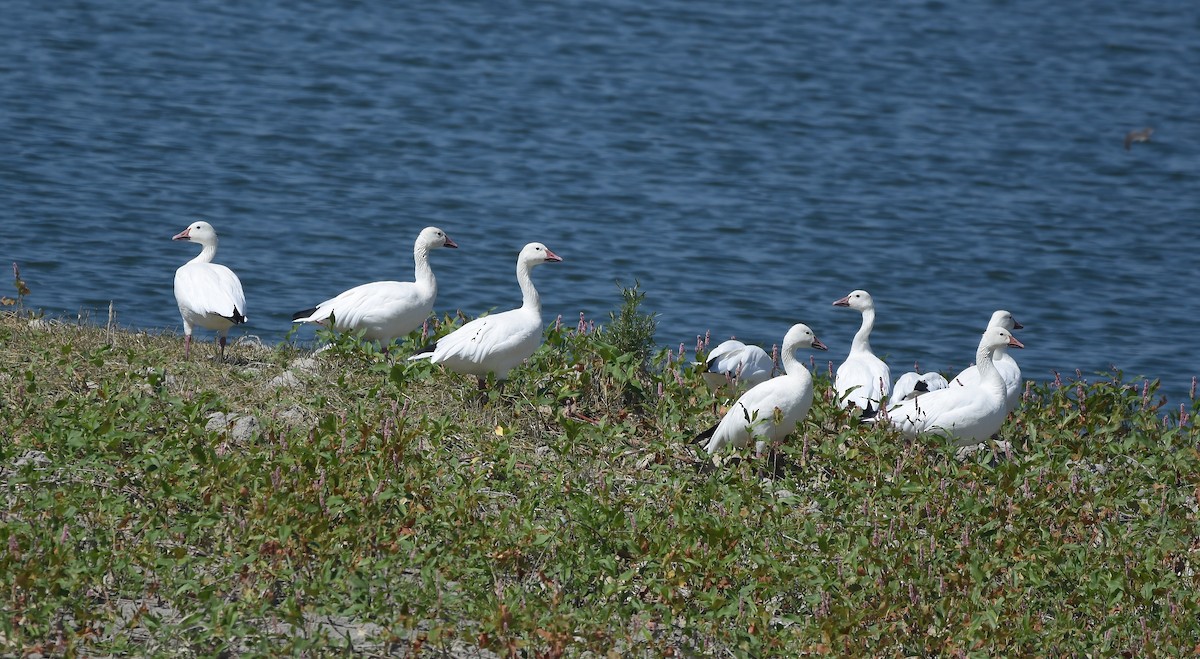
(969, 414)
(209, 295)
(913, 384)
(385, 310)
(769, 411)
(1010, 372)
(863, 379)
(737, 362)
(497, 343)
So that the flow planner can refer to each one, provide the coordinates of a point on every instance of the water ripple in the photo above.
(748, 163)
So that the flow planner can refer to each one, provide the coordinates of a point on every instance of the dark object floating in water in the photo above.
(1142, 135)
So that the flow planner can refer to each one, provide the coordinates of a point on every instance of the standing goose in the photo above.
(968, 414)
(863, 379)
(1010, 372)
(385, 310)
(769, 411)
(208, 294)
(498, 342)
(737, 362)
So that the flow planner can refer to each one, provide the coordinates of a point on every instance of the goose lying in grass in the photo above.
(736, 362)
(385, 310)
(913, 384)
(209, 295)
(771, 410)
(497, 343)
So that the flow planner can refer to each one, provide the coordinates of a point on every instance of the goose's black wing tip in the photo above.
(304, 314)
(705, 434)
(426, 349)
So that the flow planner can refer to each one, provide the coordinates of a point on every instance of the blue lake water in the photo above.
(747, 162)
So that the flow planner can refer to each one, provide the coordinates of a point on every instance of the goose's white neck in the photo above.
(862, 339)
(988, 375)
(424, 274)
(207, 254)
(791, 365)
(529, 295)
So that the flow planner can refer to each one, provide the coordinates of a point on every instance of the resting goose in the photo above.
(209, 295)
(913, 384)
(1010, 372)
(497, 343)
(385, 310)
(968, 414)
(737, 362)
(769, 411)
(863, 379)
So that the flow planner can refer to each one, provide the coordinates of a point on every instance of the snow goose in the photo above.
(968, 414)
(385, 310)
(209, 295)
(769, 411)
(736, 362)
(913, 384)
(1010, 372)
(863, 379)
(497, 343)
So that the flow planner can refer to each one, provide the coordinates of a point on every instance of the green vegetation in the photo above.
(630, 331)
(365, 503)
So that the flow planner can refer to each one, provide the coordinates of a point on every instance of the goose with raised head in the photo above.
(385, 310)
(913, 384)
(737, 363)
(771, 410)
(209, 295)
(497, 343)
(968, 414)
(1010, 372)
(863, 379)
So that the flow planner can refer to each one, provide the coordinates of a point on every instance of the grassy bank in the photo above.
(288, 501)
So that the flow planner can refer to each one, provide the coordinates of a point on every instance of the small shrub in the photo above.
(630, 331)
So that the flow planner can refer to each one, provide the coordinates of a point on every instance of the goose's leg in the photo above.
(482, 395)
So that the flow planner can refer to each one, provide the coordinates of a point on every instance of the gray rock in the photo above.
(36, 458)
(239, 428)
(1003, 450)
(306, 364)
(287, 379)
(294, 417)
